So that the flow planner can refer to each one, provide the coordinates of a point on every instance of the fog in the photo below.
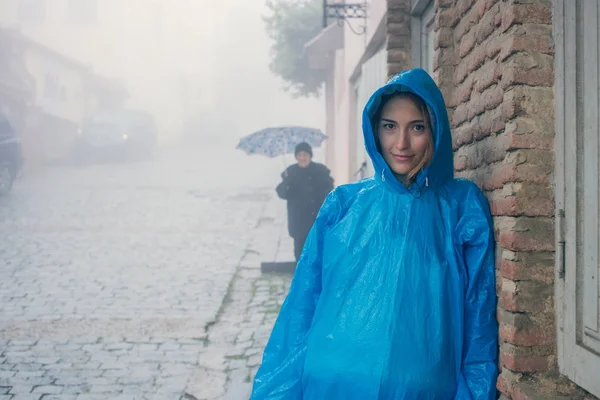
(132, 231)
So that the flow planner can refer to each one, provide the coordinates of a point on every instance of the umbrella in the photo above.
(279, 141)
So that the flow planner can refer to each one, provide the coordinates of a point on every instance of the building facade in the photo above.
(47, 95)
(154, 47)
(520, 79)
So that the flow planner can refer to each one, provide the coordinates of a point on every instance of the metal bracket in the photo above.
(343, 12)
(561, 242)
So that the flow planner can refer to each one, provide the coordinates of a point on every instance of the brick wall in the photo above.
(398, 35)
(494, 61)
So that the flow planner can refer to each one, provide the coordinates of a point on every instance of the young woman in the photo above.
(394, 295)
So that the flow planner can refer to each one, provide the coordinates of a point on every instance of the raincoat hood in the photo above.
(441, 168)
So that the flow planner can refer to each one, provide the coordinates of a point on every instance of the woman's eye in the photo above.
(419, 127)
(388, 126)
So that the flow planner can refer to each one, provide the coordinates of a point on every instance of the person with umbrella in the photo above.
(305, 186)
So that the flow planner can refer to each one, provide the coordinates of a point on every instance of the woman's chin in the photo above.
(400, 170)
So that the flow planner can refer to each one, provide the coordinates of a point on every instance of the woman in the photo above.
(305, 186)
(394, 296)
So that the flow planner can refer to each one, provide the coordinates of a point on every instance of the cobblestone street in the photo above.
(138, 281)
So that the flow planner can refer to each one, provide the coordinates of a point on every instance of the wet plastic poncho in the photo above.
(394, 294)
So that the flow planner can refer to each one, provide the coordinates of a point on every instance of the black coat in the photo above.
(305, 189)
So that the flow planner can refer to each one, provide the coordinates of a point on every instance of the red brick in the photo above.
(398, 42)
(481, 126)
(525, 100)
(493, 45)
(487, 25)
(533, 30)
(525, 233)
(529, 60)
(504, 206)
(443, 38)
(480, 8)
(467, 18)
(445, 18)
(518, 394)
(398, 29)
(395, 68)
(532, 77)
(531, 43)
(444, 3)
(498, 18)
(443, 76)
(526, 241)
(495, 176)
(524, 266)
(471, 62)
(525, 296)
(399, 56)
(492, 97)
(524, 322)
(533, 69)
(462, 92)
(525, 14)
(530, 364)
(444, 57)
(459, 164)
(462, 135)
(464, 5)
(398, 16)
(467, 42)
(516, 199)
(526, 337)
(461, 72)
(532, 132)
(476, 58)
(486, 76)
(452, 17)
(461, 114)
(446, 93)
(488, 100)
(399, 5)
(489, 150)
(491, 3)
(506, 381)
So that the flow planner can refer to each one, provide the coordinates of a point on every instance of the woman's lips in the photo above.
(402, 158)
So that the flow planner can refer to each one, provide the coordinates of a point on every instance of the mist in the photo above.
(133, 232)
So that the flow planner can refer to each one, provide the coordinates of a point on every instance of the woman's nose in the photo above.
(403, 141)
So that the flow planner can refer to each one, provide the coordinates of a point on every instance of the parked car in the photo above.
(11, 155)
(124, 134)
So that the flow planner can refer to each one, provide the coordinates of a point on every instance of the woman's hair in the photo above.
(420, 103)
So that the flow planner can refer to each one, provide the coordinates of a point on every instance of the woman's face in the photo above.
(404, 134)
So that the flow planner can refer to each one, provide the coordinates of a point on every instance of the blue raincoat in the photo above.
(394, 294)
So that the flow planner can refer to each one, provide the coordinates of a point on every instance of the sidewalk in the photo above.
(236, 340)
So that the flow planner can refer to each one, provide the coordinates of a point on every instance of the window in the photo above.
(422, 34)
(83, 11)
(577, 27)
(32, 11)
(373, 76)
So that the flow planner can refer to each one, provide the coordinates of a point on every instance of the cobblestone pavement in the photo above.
(136, 281)
(237, 340)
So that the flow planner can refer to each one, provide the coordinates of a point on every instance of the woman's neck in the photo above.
(403, 179)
